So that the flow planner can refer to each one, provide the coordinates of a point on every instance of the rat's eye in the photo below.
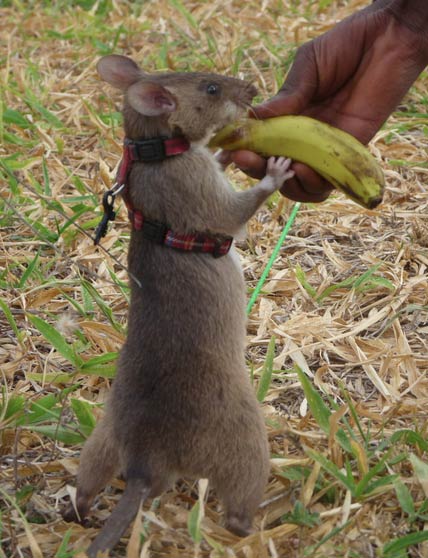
(213, 89)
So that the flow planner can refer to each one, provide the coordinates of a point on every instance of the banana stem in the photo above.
(277, 248)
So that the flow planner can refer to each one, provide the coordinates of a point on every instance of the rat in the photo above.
(182, 404)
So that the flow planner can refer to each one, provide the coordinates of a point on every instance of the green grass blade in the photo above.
(101, 365)
(11, 406)
(47, 184)
(363, 484)
(11, 116)
(410, 437)
(37, 106)
(362, 283)
(193, 523)
(97, 298)
(62, 550)
(72, 220)
(365, 276)
(56, 340)
(333, 469)
(100, 359)
(301, 277)
(27, 273)
(405, 499)
(385, 483)
(43, 409)
(319, 409)
(301, 516)
(63, 434)
(9, 317)
(184, 12)
(49, 377)
(421, 471)
(88, 304)
(15, 163)
(16, 140)
(310, 551)
(345, 284)
(2, 130)
(84, 413)
(103, 370)
(266, 375)
(397, 548)
(354, 415)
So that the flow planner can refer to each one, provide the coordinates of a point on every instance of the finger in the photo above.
(285, 163)
(224, 158)
(293, 190)
(298, 89)
(279, 105)
(250, 163)
(281, 164)
(310, 181)
(288, 175)
(271, 165)
(306, 185)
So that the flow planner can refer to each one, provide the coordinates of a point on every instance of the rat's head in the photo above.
(191, 104)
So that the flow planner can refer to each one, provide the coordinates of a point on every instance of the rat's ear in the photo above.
(151, 99)
(119, 71)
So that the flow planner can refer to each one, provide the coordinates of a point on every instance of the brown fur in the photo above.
(182, 404)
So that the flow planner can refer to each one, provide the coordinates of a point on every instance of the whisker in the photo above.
(249, 107)
(267, 109)
(253, 112)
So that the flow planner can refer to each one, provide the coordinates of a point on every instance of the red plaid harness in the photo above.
(149, 150)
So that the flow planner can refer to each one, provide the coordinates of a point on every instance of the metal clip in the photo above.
(109, 213)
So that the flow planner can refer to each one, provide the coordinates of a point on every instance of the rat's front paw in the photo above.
(279, 170)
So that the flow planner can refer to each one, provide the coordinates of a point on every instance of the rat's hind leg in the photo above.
(240, 485)
(99, 461)
(241, 500)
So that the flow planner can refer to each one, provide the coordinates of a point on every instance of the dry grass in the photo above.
(363, 341)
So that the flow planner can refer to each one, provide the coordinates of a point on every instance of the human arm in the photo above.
(353, 77)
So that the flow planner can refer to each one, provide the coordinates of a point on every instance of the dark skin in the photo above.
(352, 77)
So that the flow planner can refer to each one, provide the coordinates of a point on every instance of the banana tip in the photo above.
(375, 202)
(227, 136)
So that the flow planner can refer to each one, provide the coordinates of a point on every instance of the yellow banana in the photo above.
(334, 154)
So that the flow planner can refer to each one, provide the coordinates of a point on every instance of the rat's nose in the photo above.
(252, 90)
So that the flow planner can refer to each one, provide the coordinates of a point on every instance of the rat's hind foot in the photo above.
(240, 526)
(71, 515)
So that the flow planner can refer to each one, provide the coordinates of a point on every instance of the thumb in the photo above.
(298, 89)
(282, 103)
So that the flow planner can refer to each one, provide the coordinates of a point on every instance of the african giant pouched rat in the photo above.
(182, 404)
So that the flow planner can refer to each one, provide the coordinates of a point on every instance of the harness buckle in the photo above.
(148, 150)
(154, 231)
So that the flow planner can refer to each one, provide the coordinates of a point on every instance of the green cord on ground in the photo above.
(277, 248)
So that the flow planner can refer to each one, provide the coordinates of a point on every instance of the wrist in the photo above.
(411, 13)
(411, 16)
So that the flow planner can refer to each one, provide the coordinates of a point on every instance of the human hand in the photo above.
(352, 77)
